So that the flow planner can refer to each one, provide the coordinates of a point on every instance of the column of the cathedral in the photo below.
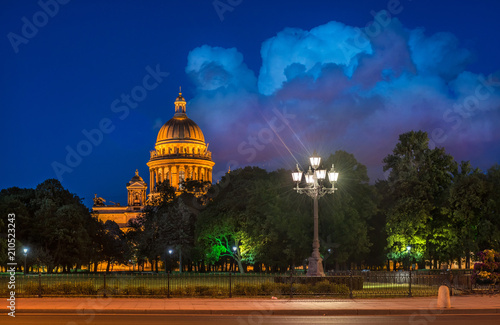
(151, 181)
(175, 180)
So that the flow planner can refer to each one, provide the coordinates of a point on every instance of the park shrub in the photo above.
(136, 291)
(85, 289)
(246, 289)
(197, 291)
(209, 291)
(328, 287)
(62, 288)
(30, 288)
(357, 281)
(110, 291)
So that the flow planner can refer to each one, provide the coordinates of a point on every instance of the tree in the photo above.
(167, 222)
(490, 225)
(278, 218)
(115, 246)
(221, 226)
(418, 182)
(344, 216)
(53, 222)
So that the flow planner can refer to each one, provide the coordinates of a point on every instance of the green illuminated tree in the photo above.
(223, 224)
(418, 183)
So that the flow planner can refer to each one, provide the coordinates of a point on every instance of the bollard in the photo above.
(230, 293)
(444, 297)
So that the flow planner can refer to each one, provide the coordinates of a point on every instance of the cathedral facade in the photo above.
(180, 153)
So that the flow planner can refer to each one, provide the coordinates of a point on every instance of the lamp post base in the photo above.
(315, 267)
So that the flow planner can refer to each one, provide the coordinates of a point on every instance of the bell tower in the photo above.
(136, 191)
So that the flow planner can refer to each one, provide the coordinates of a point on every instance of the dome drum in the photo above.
(155, 155)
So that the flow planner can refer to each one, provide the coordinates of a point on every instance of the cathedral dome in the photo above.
(180, 151)
(136, 179)
(180, 127)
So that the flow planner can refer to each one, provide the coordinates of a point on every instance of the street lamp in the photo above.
(25, 257)
(315, 189)
(408, 249)
(170, 251)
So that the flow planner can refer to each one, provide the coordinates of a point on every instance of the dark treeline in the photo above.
(444, 210)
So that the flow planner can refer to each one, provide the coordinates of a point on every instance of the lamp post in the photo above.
(170, 251)
(315, 189)
(408, 249)
(25, 257)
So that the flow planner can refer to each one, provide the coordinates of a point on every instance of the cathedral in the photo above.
(180, 153)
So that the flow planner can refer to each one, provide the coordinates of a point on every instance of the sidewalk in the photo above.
(244, 306)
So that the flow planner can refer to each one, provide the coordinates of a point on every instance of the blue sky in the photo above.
(74, 71)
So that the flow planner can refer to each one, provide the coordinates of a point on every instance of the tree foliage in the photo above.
(52, 223)
(444, 210)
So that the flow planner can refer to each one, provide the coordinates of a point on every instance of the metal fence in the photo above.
(354, 284)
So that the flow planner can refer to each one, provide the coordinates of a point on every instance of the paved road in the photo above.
(48, 319)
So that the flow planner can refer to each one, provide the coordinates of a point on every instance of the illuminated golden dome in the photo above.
(180, 151)
(180, 127)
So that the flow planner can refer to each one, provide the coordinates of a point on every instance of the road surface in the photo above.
(257, 318)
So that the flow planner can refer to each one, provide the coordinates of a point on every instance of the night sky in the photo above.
(268, 82)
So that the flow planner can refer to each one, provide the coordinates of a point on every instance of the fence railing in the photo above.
(354, 284)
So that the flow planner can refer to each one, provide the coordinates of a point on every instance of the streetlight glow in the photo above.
(315, 160)
(320, 174)
(234, 248)
(297, 176)
(309, 176)
(332, 175)
(25, 258)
